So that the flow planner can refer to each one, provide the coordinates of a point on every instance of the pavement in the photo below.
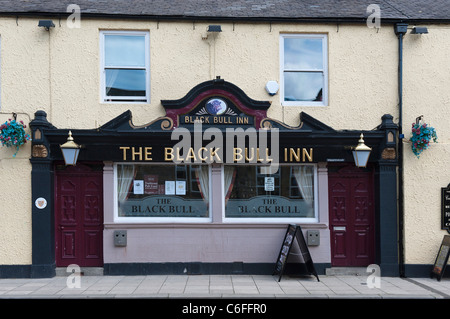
(191, 287)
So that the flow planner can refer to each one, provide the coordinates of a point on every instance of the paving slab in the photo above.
(225, 286)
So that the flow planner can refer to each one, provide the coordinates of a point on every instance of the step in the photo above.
(347, 271)
(85, 271)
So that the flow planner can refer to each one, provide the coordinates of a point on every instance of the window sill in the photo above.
(138, 225)
(295, 104)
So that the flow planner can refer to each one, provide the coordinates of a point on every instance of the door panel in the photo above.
(79, 217)
(351, 217)
(68, 245)
(340, 248)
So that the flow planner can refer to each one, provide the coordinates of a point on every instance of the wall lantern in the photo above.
(70, 150)
(47, 24)
(361, 153)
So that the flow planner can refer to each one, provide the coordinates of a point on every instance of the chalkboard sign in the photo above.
(445, 208)
(294, 232)
(442, 258)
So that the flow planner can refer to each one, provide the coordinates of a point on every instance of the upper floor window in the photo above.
(125, 66)
(304, 69)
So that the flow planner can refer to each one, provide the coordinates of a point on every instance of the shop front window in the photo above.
(288, 194)
(162, 191)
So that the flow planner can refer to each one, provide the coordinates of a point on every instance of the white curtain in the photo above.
(110, 82)
(304, 175)
(125, 177)
(203, 181)
(229, 174)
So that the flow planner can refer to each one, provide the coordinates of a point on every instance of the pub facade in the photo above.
(198, 142)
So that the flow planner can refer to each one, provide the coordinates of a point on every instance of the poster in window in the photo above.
(151, 184)
(181, 188)
(269, 184)
(170, 188)
(138, 187)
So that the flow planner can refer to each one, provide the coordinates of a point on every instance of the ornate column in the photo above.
(386, 186)
(43, 232)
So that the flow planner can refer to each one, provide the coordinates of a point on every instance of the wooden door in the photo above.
(351, 216)
(79, 217)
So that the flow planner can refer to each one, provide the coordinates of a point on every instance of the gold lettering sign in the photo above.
(192, 156)
(203, 154)
(298, 154)
(136, 152)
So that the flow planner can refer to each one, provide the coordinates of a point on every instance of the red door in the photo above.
(79, 217)
(351, 216)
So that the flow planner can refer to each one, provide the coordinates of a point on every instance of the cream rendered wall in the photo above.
(24, 89)
(427, 93)
(244, 54)
(59, 72)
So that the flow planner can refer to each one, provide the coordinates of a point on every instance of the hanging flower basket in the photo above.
(12, 134)
(422, 134)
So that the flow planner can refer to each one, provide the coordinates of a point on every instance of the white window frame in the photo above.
(156, 220)
(124, 99)
(324, 70)
(282, 220)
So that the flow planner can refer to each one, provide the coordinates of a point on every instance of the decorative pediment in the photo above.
(124, 123)
(218, 104)
(215, 103)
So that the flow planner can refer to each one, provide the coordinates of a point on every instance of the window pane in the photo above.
(303, 86)
(303, 53)
(287, 193)
(162, 191)
(125, 50)
(121, 82)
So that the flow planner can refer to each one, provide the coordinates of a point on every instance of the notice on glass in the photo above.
(170, 188)
(269, 184)
(181, 188)
(151, 184)
(138, 187)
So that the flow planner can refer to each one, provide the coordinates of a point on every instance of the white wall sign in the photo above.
(41, 203)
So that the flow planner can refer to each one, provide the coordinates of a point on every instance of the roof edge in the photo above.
(350, 20)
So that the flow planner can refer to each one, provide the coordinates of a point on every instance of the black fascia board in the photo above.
(268, 19)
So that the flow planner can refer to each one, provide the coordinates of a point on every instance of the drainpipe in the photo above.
(400, 30)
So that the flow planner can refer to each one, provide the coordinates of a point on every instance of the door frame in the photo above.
(349, 172)
(79, 170)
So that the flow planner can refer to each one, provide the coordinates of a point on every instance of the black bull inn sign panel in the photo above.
(216, 122)
(216, 154)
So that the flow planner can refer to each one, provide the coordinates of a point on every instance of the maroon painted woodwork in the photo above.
(258, 114)
(79, 217)
(351, 216)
